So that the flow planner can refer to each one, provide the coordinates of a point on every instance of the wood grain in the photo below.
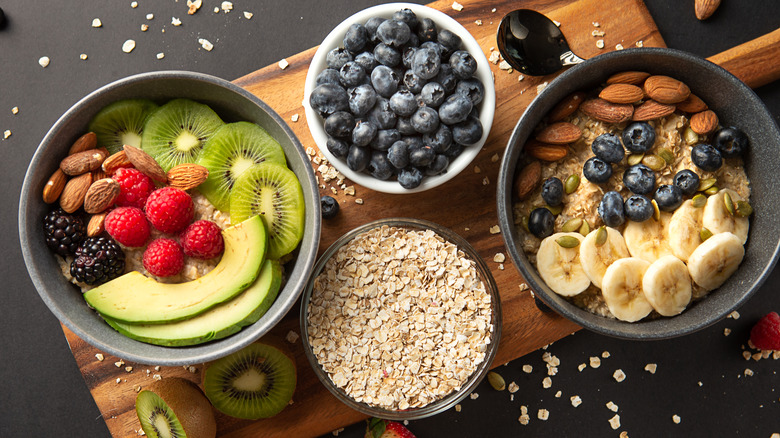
(756, 62)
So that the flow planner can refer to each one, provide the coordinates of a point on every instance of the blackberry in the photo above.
(64, 232)
(98, 260)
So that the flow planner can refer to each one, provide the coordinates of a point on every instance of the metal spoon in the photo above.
(532, 44)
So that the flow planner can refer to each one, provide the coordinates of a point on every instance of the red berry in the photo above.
(765, 335)
(202, 240)
(128, 226)
(378, 428)
(163, 258)
(169, 209)
(135, 187)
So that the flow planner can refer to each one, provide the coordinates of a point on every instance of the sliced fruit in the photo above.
(647, 240)
(176, 132)
(121, 123)
(560, 267)
(683, 233)
(136, 299)
(718, 219)
(219, 321)
(713, 262)
(255, 382)
(272, 191)
(595, 258)
(622, 289)
(667, 285)
(175, 407)
(234, 148)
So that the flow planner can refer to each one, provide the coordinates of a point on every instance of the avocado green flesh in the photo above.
(219, 321)
(136, 299)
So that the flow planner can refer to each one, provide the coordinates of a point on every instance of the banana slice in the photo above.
(560, 267)
(682, 232)
(667, 285)
(596, 259)
(622, 289)
(647, 240)
(713, 262)
(717, 218)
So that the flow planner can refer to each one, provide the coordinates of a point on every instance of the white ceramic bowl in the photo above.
(486, 108)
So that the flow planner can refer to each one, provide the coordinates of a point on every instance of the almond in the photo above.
(705, 8)
(187, 176)
(704, 122)
(528, 179)
(559, 133)
(628, 77)
(621, 93)
(115, 161)
(96, 224)
(607, 112)
(693, 104)
(82, 162)
(566, 107)
(75, 190)
(84, 143)
(54, 186)
(651, 110)
(545, 151)
(101, 195)
(145, 163)
(98, 174)
(664, 89)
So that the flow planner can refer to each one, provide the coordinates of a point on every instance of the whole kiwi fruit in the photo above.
(175, 408)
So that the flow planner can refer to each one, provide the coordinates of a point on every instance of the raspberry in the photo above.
(765, 335)
(202, 240)
(169, 209)
(135, 187)
(128, 226)
(163, 258)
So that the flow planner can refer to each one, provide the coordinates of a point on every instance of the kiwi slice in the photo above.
(121, 123)
(274, 192)
(234, 148)
(175, 407)
(176, 132)
(255, 382)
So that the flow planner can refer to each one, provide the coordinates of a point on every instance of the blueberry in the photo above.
(639, 137)
(328, 76)
(638, 208)
(363, 133)
(463, 64)
(330, 207)
(426, 63)
(706, 157)
(687, 180)
(361, 99)
(432, 94)
(381, 114)
(639, 178)
(384, 80)
(414, 142)
(472, 88)
(422, 156)
(467, 132)
(607, 147)
(425, 120)
(407, 16)
(449, 40)
(403, 103)
(611, 209)
(668, 197)
(552, 191)
(340, 124)
(413, 82)
(385, 138)
(454, 150)
(455, 109)
(371, 25)
(438, 165)
(337, 147)
(440, 140)
(731, 142)
(337, 57)
(414, 41)
(398, 154)
(326, 99)
(379, 166)
(597, 170)
(394, 33)
(366, 60)
(410, 177)
(426, 30)
(387, 55)
(358, 158)
(447, 78)
(541, 222)
(404, 126)
(407, 56)
(355, 38)
(352, 74)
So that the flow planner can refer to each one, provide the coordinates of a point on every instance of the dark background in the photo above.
(700, 377)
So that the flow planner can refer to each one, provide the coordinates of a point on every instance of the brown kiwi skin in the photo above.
(190, 405)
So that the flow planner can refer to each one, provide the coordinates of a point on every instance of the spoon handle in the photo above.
(756, 62)
(569, 58)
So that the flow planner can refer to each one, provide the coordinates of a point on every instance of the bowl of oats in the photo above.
(635, 194)
(401, 319)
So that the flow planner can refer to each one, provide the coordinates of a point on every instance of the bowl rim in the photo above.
(185, 355)
(486, 107)
(656, 330)
(473, 381)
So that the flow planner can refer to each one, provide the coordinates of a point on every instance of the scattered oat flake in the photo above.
(558, 394)
(128, 369)
(746, 355)
(359, 201)
(520, 78)
(651, 367)
(499, 258)
(623, 434)
(596, 24)
(458, 407)
(614, 422)
(294, 117)
(640, 43)
(248, 15)
(527, 368)
(493, 10)
(600, 44)
(543, 414)
(477, 169)
(160, 55)
(775, 435)
(474, 395)
(350, 190)
(206, 44)
(133, 5)
(118, 380)
(581, 367)
(478, 22)
(576, 401)
(119, 363)
(513, 387)
(495, 158)
(44, 61)
(150, 16)
(524, 419)
(216, 9)
(503, 65)
(619, 375)
(99, 357)
(457, 6)
(283, 64)
(541, 87)
(612, 406)
(96, 22)
(699, 383)
(144, 27)
(734, 315)
(605, 354)
(676, 419)
(726, 331)
(128, 46)
(193, 369)
(227, 6)
(557, 23)
(193, 6)
(595, 362)
(83, 56)
(175, 21)
(598, 33)
(748, 372)
(291, 337)
(157, 368)
(156, 377)
(618, 47)
(494, 57)
(546, 383)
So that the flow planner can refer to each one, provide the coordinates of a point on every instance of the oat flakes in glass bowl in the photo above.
(401, 319)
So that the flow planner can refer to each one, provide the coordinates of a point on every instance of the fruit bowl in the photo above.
(736, 105)
(232, 104)
(486, 107)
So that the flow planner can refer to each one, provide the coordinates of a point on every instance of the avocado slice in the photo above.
(136, 299)
(216, 323)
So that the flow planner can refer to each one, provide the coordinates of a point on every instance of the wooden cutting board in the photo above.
(467, 205)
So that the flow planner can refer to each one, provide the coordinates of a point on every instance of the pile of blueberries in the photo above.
(399, 98)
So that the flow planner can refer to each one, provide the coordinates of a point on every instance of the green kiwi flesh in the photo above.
(255, 382)
(176, 132)
(121, 123)
(175, 408)
(272, 191)
(234, 148)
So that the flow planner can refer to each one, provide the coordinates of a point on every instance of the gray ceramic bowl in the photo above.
(736, 105)
(232, 103)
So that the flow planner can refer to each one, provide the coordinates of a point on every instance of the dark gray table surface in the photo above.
(701, 377)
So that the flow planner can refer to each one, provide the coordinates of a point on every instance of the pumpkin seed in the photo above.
(572, 182)
(706, 183)
(699, 200)
(654, 162)
(496, 381)
(572, 225)
(555, 210)
(635, 159)
(601, 235)
(711, 191)
(744, 209)
(656, 210)
(568, 241)
(667, 155)
(729, 203)
(690, 136)
(585, 228)
(705, 234)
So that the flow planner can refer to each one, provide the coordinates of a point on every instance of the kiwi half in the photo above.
(234, 148)
(255, 382)
(274, 192)
(176, 132)
(121, 123)
(175, 408)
